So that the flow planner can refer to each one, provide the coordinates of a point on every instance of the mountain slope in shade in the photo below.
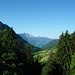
(36, 41)
(50, 44)
(4, 26)
(21, 41)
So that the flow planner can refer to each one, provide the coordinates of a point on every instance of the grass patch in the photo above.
(42, 56)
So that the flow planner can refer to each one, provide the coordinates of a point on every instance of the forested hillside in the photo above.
(62, 62)
(15, 60)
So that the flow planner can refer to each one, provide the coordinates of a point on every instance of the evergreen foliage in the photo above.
(52, 66)
(12, 60)
(63, 61)
(64, 52)
(72, 65)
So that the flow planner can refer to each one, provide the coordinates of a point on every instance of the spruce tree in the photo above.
(9, 55)
(73, 42)
(64, 52)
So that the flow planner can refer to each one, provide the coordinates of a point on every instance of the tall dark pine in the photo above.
(64, 52)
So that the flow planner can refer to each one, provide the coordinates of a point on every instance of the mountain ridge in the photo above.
(21, 41)
(50, 44)
(38, 41)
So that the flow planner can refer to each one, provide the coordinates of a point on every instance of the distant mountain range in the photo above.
(21, 41)
(50, 44)
(36, 41)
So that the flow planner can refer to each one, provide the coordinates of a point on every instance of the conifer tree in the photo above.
(10, 52)
(72, 65)
(64, 52)
(73, 42)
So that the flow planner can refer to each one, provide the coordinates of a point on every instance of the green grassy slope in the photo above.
(43, 56)
(50, 44)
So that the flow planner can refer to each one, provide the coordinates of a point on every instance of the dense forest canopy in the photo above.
(12, 60)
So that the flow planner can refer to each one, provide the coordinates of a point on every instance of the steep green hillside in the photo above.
(43, 56)
(22, 42)
(50, 44)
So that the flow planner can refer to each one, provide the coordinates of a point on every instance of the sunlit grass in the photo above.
(43, 56)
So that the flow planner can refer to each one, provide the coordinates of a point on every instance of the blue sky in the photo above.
(39, 17)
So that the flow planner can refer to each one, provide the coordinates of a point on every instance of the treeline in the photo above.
(14, 60)
(62, 62)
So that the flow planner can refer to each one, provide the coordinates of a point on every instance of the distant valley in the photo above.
(36, 41)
